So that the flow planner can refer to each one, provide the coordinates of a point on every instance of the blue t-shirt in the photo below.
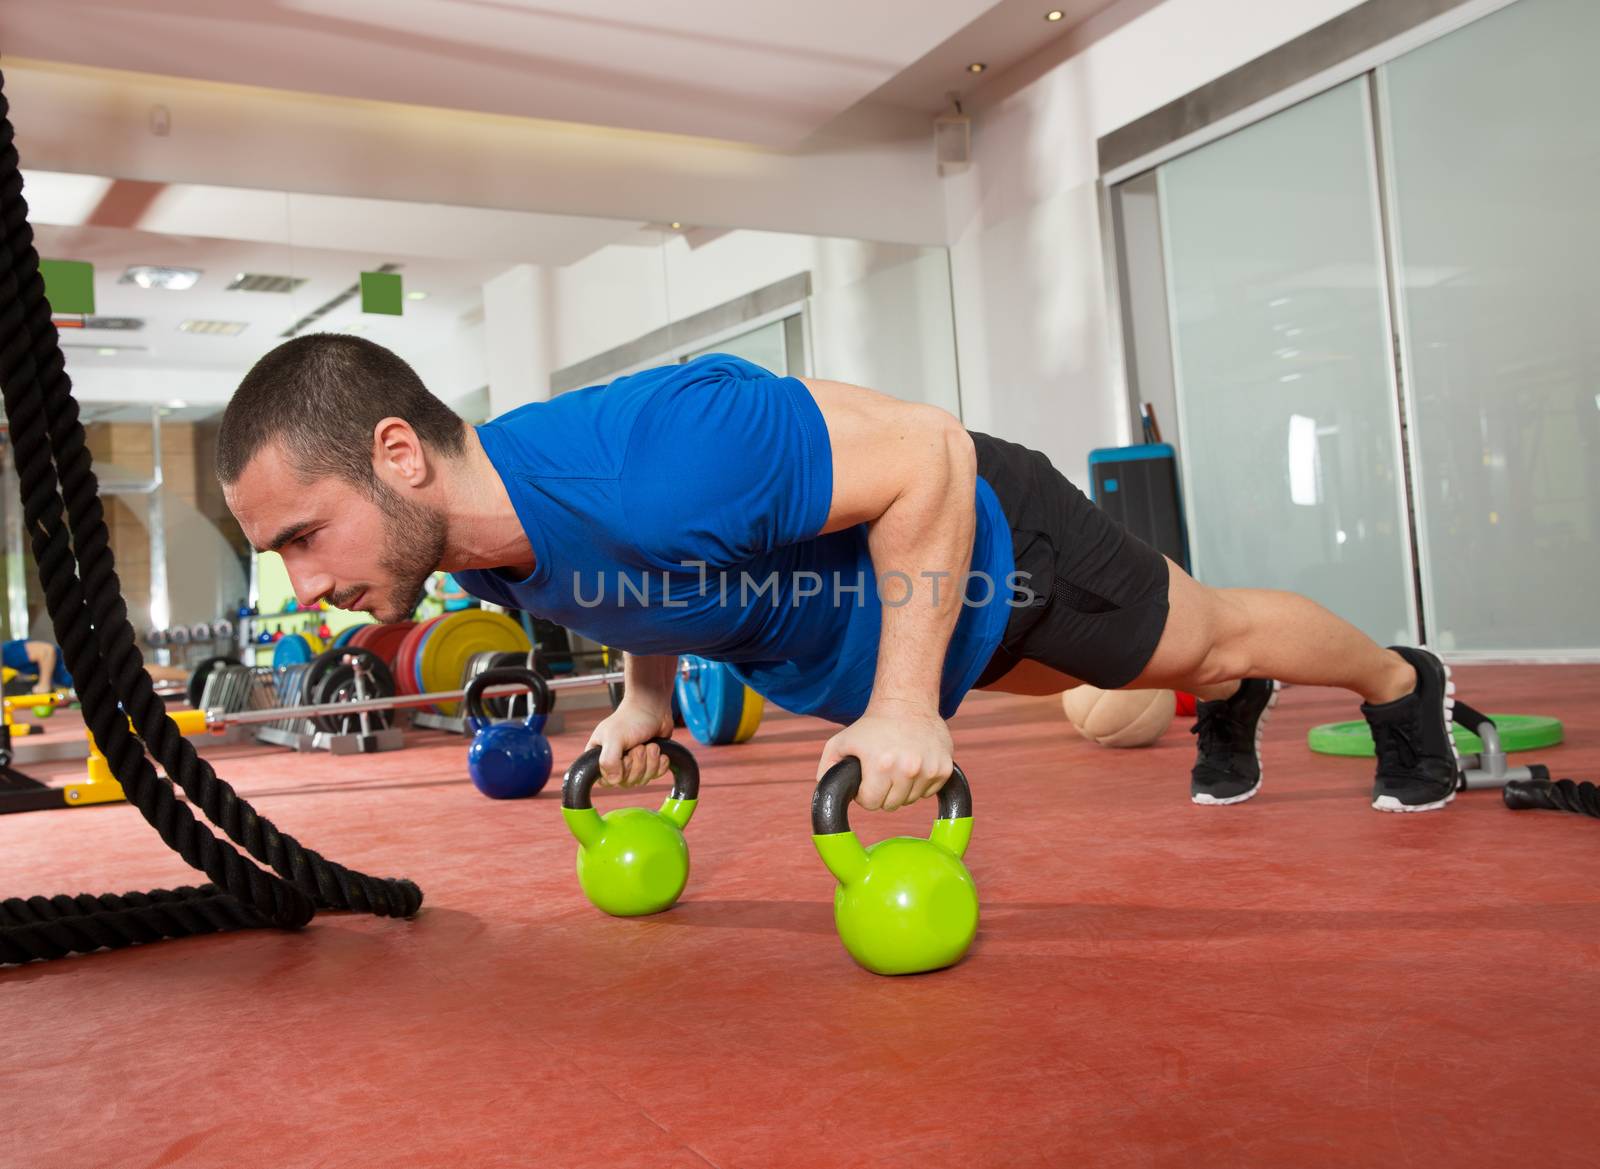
(676, 511)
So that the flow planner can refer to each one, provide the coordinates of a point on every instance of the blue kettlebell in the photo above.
(508, 760)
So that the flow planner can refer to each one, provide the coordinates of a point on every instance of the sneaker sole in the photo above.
(1391, 803)
(1210, 801)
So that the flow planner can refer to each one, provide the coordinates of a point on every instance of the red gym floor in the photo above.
(1297, 981)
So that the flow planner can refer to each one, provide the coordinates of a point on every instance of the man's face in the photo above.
(367, 550)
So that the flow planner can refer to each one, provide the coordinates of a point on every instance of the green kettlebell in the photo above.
(904, 905)
(632, 861)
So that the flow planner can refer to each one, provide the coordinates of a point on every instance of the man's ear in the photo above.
(397, 453)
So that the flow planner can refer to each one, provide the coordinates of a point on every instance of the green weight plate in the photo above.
(1518, 732)
(451, 644)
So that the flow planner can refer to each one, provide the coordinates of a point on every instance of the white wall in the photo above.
(1038, 360)
(880, 313)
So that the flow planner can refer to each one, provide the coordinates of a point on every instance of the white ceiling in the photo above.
(296, 220)
(764, 72)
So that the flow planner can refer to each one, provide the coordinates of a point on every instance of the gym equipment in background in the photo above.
(65, 522)
(904, 905)
(717, 707)
(1138, 487)
(1512, 732)
(1119, 718)
(508, 760)
(1555, 795)
(632, 861)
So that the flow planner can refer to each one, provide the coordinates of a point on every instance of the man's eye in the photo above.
(304, 541)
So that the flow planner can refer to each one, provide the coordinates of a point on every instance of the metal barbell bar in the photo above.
(218, 719)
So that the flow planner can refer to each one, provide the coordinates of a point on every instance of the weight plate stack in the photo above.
(451, 642)
(404, 665)
(383, 640)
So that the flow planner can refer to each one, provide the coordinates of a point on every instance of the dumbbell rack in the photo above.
(186, 644)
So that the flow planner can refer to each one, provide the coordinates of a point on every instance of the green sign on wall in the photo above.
(69, 285)
(381, 292)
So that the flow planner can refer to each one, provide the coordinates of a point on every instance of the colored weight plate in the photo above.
(395, 656)
(405, 661)
(460, 635)
(1518, 732)
(416, 663)
(712, 699)
(750, 717)
(383, 640)
(342, 638)
(292, 649)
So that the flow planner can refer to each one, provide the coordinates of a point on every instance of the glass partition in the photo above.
(1494, 159)
(1281, 361)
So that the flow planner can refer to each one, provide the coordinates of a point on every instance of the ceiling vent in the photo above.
(115, 324)
(214, 328)
(257, 282)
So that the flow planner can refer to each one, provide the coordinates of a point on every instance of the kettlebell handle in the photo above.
(830, 803)
(501, 676)
(585, 771)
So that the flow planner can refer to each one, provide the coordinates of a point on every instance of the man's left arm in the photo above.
(909, 473)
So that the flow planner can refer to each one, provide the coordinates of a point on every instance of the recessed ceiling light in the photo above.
(177, 404)
(158, 276)
(1054, 14)
(106, 352)
(416, 294)
(676, 226)
(976, 67)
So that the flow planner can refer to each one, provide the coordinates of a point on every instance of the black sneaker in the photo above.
(1417, 762)
(1229, 732)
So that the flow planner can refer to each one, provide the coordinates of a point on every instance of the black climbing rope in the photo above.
(66, 527)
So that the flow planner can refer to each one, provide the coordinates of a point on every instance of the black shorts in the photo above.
(1099, 599)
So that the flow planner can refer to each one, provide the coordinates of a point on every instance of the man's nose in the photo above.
(310, 588)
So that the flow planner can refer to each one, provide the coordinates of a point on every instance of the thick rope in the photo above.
(58, 487)
(1558, 795)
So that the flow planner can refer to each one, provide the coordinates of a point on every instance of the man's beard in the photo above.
(414, 540)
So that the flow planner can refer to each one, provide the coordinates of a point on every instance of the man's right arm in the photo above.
(649, 680)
